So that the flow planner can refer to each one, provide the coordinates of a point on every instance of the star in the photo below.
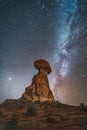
(9, 78)
(43, 6)
(52, 30)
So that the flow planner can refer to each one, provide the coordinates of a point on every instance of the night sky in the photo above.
(55, 30)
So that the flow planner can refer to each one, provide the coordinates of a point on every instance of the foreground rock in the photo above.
(23, 115)
(39, 90)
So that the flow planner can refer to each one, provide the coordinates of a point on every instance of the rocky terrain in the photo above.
(36, 109)
(21, 115)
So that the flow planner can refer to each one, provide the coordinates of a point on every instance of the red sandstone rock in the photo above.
(39, 90)
(42, 64)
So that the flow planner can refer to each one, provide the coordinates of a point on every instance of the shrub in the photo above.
(83, 107)
(31, 110)
(6, 104)
(58, 104)
(11, 124)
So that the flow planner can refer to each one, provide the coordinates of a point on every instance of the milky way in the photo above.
(67, 13)
(70, 71)
(54, 30)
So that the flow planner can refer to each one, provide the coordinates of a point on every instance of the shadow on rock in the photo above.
(85, 124)
(11, 125)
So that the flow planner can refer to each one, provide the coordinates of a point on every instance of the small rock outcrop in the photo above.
(39, 90)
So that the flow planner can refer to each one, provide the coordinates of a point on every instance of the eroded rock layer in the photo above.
(39, 90)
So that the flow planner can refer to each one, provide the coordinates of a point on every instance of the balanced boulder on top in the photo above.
(39, 90)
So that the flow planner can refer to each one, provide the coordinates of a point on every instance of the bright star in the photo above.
(9, 78)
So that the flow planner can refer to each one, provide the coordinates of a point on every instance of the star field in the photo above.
(54, 30)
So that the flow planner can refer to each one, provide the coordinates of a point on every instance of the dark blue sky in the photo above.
(55, 30)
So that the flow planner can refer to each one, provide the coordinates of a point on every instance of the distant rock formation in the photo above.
(39, 90)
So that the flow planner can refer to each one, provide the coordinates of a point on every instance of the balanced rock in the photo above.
(39, 90)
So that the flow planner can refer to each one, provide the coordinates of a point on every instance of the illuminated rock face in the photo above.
(39, 90)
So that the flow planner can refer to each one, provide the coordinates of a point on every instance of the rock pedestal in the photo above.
(39, 90)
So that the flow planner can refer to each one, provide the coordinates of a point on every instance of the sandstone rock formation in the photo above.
(39, 90)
